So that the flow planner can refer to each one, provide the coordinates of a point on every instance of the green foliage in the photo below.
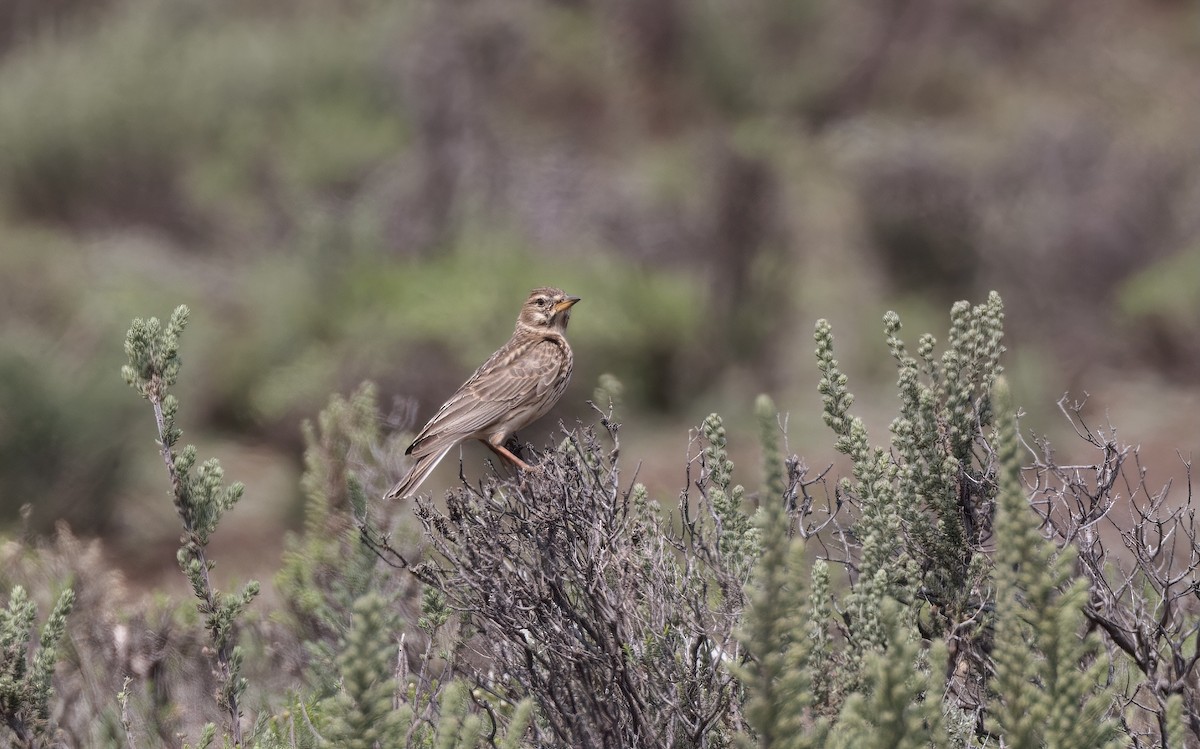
(738, 537)
(372, 710)
(362, 714)
(780, 635)
(924, 504)
(896, 702)
(900, 705)
(609, 393)
(768, 435)
(940, 421)
(563, 592)
(1049, 678)
(883, 557)
(434, 611)
(823, 656)
(522, 718)
(297, 726)
(208, 735)
(460, 728)
(1176, 729)
(327, 569)
(25, 672)
(457, 727)
(1168, 289)
(200, 498)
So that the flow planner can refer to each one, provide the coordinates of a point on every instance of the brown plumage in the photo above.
(517, 385)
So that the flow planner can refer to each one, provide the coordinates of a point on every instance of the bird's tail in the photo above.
(417, 474)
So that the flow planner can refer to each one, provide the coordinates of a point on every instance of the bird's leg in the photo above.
(503, 452)
(513, 445)
(516, 447)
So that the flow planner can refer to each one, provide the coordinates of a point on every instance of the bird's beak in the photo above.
(567, 303)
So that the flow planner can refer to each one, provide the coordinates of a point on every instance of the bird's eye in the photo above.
(541, 302)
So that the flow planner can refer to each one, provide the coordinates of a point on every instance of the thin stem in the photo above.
(208, 599)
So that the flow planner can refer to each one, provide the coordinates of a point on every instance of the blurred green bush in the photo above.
(168, 113)
(1161, 304)
(366, 189)
(64, 439)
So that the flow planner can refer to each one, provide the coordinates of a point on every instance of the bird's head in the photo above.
(547, 308)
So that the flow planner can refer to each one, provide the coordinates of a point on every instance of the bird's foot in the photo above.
(526, 472)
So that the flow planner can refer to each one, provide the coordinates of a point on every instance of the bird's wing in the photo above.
(504, 382)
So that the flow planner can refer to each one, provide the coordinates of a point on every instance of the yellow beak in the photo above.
(566, 303)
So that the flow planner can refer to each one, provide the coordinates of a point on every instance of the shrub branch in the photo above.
(200, 500)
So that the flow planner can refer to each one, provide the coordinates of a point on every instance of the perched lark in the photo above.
(513, 388)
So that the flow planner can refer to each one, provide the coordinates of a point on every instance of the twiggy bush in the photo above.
(373, 679)
(1138, 545)
(614, 615)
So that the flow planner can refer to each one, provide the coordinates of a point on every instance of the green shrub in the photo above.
(362, 710)
(561, 609)
(1046, 697)
(327, 569)
(201, 500)
(923, 508)
(25, 670)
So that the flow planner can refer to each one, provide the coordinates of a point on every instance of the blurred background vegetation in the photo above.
(367, 189)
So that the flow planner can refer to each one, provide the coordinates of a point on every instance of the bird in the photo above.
(516, 386)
